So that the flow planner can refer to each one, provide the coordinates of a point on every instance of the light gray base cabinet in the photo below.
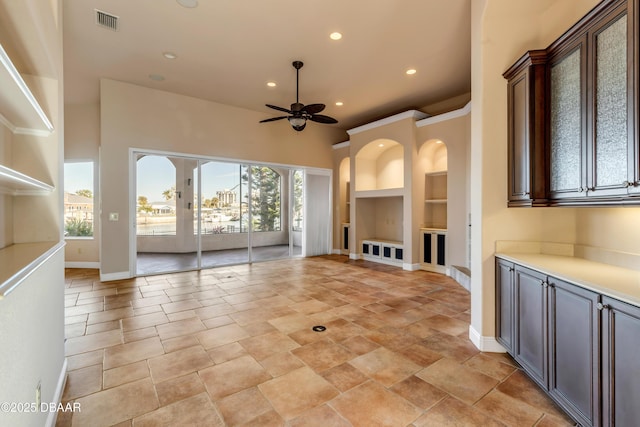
(581, 347)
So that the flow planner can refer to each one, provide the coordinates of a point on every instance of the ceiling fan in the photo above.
(300, 113)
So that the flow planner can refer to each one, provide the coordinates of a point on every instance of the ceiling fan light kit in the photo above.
(300, 113)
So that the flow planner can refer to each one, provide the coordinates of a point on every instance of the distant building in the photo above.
(227, 197)
(78, 207)
(164, 208)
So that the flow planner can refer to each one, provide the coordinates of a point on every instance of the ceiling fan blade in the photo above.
(279, 108)
(322, 119)
(273, 119)
(313, 108)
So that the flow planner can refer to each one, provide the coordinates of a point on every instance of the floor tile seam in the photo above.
(489, 414)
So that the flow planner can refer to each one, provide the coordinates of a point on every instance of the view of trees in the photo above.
(265, 198)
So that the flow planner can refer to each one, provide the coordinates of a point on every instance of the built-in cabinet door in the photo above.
(526, 129)
(504, 303)
(612, 171)
(530, 346)
(567, 121)
(621, 363)
(574, 360)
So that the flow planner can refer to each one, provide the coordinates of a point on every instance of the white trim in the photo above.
(354, 256)
(410, 267)
(336, 251)
(26, 93)
(57, 395)
(82, 264)
(340, 145)
(411, 114)
(115, 276)
(446, 116)
(486, 344)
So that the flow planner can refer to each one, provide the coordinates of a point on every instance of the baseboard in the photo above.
(354, 256)
(486, 344)
(411, 267)
(336, 252)
(82, 264)
(114, 276)
(57, 396)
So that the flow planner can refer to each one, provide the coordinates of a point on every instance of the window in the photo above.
(78, 199)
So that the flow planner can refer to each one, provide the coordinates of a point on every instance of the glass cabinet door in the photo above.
(567, 156)
(611, 136)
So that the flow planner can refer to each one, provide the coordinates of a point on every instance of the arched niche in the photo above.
(380, 165)
(432, 156)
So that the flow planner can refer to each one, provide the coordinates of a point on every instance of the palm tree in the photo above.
(169, 194)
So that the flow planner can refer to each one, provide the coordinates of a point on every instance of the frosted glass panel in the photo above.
(611, 104)
(565, 123)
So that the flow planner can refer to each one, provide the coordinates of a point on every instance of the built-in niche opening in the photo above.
(345, 190)
(380, 166)
(432, 159)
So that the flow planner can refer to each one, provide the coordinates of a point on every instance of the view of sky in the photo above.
(78, 176)
(156, 174)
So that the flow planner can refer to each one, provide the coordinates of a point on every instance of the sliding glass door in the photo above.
(165, 239)
(222, 203)
(196, 213)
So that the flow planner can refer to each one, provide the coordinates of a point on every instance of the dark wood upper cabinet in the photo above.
(573, 114)
(526, 127)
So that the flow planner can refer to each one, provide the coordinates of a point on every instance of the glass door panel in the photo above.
(165, 240)
(223, 238)
(268, 212)
(297, 211)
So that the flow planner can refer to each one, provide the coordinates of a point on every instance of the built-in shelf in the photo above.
(18, 261)
(436, 173)
(389, 192)
(20, 112)
(436, 201)
(18, 184)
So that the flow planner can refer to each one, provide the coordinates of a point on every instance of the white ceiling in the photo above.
(229, 49)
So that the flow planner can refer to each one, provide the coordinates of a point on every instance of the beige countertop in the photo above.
(616, 282)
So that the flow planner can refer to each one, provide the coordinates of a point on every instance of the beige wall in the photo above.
(81, 142)
(502, 31)
(133, 116)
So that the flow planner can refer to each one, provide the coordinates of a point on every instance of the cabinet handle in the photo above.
(591, 188)
(601, 306)
(628, 184)
(581, 190)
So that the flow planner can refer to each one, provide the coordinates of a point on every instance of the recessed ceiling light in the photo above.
(188, 3)
(335, 36)
(339, 103)
(271, 84)
(380, 145)
(438, 142)
(169, 55)
(156, 77)
(411, 71)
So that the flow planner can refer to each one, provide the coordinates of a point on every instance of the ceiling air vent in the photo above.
(106, 20)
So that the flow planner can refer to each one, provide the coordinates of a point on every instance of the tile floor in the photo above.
(234, 346)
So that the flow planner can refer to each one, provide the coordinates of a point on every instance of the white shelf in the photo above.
(436, 173)
(389, 192)
(18, 261)
(18, 184)
(436, 201)
(20, 112)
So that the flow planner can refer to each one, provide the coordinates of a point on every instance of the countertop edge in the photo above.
(560, 267)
